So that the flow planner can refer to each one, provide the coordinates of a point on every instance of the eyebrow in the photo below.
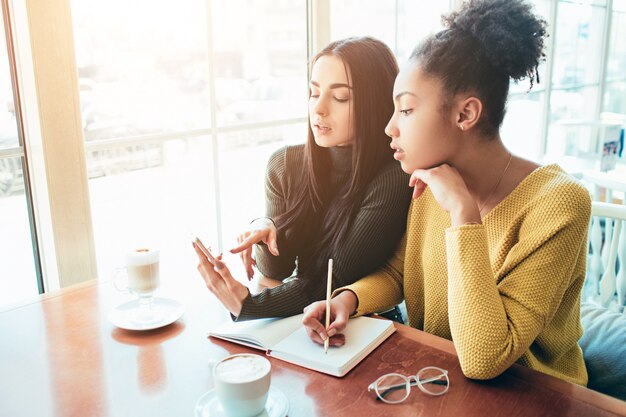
(404, 93)
(332, 86)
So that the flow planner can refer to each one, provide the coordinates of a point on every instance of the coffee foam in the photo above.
(142, 256)
(240, 369)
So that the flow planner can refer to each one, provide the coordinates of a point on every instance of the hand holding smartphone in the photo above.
(204, 249)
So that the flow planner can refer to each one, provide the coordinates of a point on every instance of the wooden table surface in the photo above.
(60, 356)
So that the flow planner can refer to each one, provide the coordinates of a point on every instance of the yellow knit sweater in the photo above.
(505, 291)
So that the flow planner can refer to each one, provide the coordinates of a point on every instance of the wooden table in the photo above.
(60, 356)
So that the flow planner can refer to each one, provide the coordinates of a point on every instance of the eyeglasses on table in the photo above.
(395, 388)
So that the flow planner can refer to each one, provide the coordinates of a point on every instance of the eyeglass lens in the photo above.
(392, 388)
(433, 381)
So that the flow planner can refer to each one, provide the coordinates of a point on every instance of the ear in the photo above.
(468, 112)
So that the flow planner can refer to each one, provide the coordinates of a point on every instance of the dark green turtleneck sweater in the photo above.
(372, 237)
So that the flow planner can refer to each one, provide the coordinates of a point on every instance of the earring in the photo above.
(461, 127)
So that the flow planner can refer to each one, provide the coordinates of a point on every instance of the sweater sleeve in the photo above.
(282, 266)
(382, 289)
(374, 232)
(494, 323)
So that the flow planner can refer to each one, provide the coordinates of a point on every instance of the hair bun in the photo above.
(511, 35)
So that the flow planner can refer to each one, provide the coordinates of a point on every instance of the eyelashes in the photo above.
(338, 99)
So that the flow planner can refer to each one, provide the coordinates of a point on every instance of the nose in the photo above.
(318, 106)
(391, 130)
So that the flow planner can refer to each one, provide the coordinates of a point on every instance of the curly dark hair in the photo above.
(484, 45)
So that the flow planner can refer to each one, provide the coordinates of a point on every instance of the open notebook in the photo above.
(286, 339)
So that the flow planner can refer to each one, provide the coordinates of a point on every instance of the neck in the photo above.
(481, 163)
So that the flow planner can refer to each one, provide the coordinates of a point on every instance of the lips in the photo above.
(321, 128)
(397, 152)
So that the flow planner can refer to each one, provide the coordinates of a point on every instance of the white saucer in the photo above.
(209, 406)
(168, 311)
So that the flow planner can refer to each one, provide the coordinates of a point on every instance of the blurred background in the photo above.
(181, 104)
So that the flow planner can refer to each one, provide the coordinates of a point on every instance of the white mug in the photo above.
(242, 383)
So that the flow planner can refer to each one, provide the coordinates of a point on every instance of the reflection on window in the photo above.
(578, 44)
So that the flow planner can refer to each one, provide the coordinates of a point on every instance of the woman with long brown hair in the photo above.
(340, 195)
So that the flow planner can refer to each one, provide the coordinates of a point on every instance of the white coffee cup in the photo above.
(242, 383)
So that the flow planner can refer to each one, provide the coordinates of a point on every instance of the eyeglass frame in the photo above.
(409, 382)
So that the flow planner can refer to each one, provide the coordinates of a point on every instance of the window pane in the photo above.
(586, 2)
(619, 5)
(571, 130)
(18, 279)
(617, 48)
(521, 129)
(575, 103)
(243, 160)
(155, 194)
(8, 125)
(578, 44)
(260, 60)
(615, 97)
(136, 74)
(374, 18)
(416, 20)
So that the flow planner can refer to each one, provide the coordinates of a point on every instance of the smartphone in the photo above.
(204, 249)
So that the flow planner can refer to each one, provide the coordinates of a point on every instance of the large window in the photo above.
(180, 108)
(179, 125)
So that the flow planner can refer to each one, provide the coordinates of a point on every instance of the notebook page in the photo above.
(363, 334)
(263, 333)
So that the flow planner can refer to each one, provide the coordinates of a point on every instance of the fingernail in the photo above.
(323, 336)
(332, 332)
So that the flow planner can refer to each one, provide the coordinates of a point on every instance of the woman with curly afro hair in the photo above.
(494, 254)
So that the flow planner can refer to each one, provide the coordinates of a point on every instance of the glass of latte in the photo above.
(140, 276)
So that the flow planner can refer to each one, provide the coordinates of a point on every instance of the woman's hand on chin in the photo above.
(450, 191)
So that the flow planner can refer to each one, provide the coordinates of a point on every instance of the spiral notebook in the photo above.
(286, 339)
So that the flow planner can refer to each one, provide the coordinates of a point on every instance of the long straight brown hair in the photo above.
(316, 211)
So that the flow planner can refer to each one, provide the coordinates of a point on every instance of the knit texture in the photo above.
(373, 235)
(504, 291)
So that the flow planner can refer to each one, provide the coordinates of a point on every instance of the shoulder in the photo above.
(391, 177)
(283, 158)
(552, 182)
(552, 194)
